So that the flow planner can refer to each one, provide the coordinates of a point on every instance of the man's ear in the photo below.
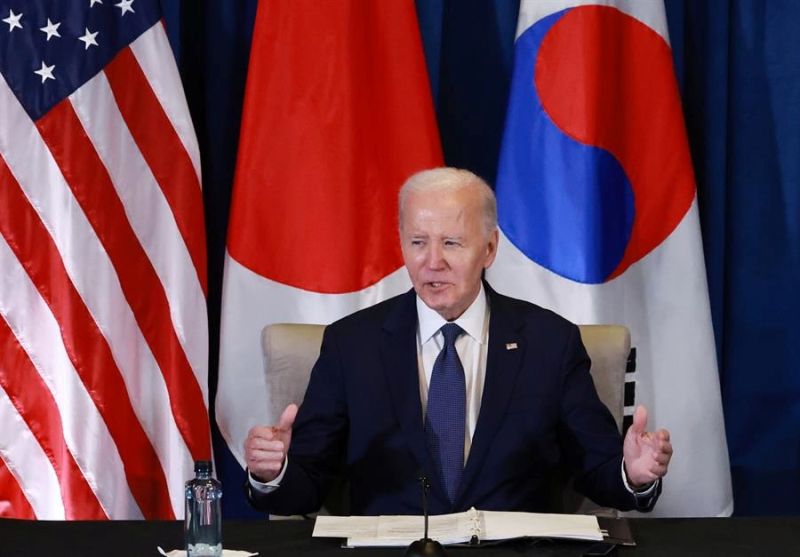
(491, 248)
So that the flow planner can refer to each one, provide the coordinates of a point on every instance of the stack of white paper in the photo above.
(392, 531)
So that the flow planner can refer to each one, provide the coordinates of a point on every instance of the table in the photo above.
(731, 537)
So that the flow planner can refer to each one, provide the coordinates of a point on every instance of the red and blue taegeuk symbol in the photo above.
(595, 170)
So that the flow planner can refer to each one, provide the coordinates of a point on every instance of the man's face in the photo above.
(445, 248)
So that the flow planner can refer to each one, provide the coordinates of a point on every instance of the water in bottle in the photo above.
(203, 522)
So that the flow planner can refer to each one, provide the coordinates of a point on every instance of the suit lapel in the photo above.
(399, 357)
(503, 361)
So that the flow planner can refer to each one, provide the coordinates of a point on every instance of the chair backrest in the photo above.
(290, 351)
(608, 347)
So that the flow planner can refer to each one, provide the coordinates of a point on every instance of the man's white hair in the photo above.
(447, 179)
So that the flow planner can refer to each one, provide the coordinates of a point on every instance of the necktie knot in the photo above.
(451, 332)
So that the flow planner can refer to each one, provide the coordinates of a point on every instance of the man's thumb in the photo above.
(639, 420)
(288, 416)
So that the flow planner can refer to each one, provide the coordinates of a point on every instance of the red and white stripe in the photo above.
(103, 327)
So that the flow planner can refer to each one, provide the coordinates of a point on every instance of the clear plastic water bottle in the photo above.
(203, 522)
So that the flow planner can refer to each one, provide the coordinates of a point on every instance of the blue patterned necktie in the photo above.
(447, 412)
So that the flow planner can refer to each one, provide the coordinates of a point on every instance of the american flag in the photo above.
(103, 335)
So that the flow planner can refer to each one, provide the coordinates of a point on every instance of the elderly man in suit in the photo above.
(486, 395)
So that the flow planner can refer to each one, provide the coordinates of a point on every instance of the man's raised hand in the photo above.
(266, 446)
(647, 453)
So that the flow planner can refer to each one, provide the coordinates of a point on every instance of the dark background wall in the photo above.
(738, 63)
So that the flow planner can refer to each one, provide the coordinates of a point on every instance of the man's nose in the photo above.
(435, 259)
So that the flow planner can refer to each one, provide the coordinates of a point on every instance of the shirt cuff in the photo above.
(268, 487)
(641, 493)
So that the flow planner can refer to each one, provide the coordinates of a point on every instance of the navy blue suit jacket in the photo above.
(362, 415)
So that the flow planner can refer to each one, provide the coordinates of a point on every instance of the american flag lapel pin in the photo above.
(511, 346)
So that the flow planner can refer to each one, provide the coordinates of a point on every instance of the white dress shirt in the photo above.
(471, 347)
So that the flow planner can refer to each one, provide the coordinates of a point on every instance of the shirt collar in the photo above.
(472, 320)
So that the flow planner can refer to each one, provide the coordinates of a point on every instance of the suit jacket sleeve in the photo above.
(319, 436)
(590, 440)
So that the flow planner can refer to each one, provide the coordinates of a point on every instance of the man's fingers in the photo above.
(273, 466)
(265, 445)
(661, 458)
(265, 471)
(272, 433)
(261, 432)
(658, 446)
(660, 452)
(287, 418)
(657, 441)
(659, 471)
(259, 456)
(653, 472)
(265, 452)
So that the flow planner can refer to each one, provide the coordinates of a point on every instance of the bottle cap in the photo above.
(202, 466)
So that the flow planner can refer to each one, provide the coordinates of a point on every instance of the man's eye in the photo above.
(451, 243)
(416, 242)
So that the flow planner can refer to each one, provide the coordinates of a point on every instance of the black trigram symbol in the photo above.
(630, 391)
